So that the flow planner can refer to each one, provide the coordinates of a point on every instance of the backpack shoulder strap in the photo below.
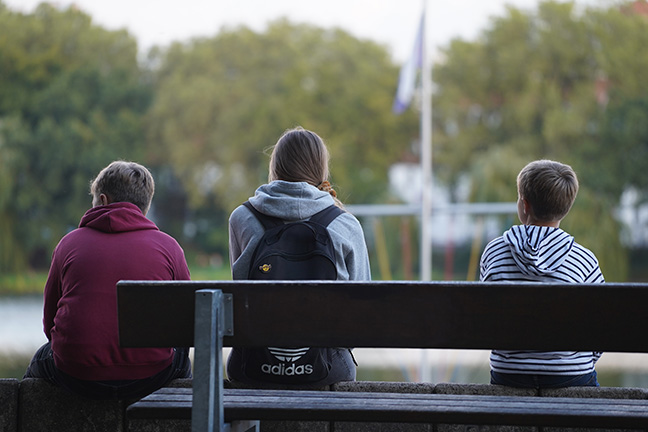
(267, 221)
(326, 216)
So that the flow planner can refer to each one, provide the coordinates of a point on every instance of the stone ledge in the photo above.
(384, 387)
(483, 389)
(597, 392)
(9, 388)
(44, 407)
(488, 390)
(35, 405)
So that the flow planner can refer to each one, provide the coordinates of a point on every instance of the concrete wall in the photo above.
(33, 405)
(9, 405)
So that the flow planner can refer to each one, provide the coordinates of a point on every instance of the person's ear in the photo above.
(104, 199)
(527, 206)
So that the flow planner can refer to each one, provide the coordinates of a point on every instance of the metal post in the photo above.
(426, 170)
(426, 154)
(207, 411)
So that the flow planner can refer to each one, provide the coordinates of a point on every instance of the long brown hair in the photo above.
(300, 155)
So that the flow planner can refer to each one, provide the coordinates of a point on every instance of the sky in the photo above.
(390, 22)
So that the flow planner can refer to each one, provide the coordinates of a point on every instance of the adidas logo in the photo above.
(288, 357)
(291, 370)
(288, 354)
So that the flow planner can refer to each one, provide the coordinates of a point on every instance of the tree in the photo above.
(549, 83)
(221, 102)
(71, 101)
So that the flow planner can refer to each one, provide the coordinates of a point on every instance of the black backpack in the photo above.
(291, 251)
(294, 251)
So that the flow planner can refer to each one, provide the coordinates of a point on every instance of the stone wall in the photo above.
(9, 405)
(33, 405)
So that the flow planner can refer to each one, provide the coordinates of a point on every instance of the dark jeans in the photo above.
(42, 366)
(544, 381)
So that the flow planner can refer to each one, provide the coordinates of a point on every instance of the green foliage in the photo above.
(222, 102)
(201, 267)
(558, 83)
(73, 98)
(32, 282)
(590, 222)
(13, 365)
(623, 131)
(71, 101)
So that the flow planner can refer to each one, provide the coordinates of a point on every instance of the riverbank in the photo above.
(33, 281)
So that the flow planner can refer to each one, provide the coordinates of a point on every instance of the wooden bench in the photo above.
(458, 315)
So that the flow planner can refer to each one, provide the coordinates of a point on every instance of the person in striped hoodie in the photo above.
(539, 251)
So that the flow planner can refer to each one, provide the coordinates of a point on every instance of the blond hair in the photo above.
(123, 181)
(549, 187)
(300, 155)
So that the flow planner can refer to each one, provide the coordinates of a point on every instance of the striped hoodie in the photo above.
(530, 253)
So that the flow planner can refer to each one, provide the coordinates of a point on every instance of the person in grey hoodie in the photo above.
(298, 188)
(539, 251)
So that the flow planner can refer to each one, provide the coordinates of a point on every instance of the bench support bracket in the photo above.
(213, 320)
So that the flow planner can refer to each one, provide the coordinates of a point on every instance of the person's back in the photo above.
(292, 202)
(539, 251)
(296, 192)
(115, 241)
(532, 253)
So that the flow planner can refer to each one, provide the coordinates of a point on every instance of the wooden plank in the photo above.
(405, 407)
(460, 315)
(160, 314)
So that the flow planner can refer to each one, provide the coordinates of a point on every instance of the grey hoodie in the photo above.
(295, 201)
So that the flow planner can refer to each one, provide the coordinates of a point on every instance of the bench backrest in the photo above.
(460, 315)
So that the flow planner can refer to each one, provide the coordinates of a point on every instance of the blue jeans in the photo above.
(42, 366)
(544, 381)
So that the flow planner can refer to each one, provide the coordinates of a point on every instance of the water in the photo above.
(21, 325)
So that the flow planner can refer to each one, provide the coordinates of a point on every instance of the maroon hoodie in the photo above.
(113, 242)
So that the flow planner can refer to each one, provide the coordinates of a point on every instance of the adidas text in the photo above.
(291, 370)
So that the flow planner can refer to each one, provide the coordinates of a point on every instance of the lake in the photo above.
(21, 324)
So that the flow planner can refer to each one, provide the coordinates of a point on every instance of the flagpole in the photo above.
(426, 170)
(419, 60)
(426, 155)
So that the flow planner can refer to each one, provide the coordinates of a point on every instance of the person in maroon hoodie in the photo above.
(115, 241)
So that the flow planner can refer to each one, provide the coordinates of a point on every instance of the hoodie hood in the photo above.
(116, 217)
(290, 201)
(538, 250)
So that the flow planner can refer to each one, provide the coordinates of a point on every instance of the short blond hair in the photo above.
(550, 188)
(123, 181)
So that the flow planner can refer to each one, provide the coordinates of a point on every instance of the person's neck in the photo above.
(553, 224)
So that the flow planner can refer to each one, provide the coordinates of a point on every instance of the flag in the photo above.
(407, 77)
